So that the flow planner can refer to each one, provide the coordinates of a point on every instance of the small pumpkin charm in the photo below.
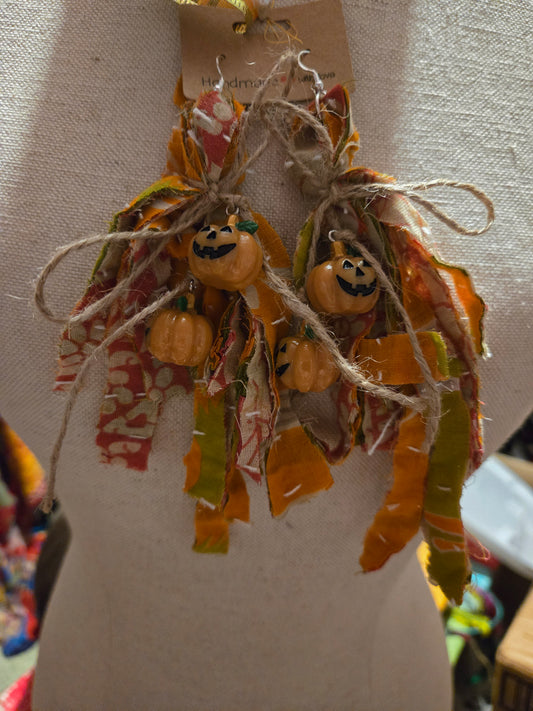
(305, 365)
(226, 257)
(342, 285)
(180, 336)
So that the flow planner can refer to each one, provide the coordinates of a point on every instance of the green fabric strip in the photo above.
(212, 480)
(212, 546)
(441, 352)
(447, 468)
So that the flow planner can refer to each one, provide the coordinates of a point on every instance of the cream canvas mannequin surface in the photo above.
(137, 620)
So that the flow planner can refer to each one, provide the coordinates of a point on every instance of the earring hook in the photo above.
(220, 83)
(318, 86)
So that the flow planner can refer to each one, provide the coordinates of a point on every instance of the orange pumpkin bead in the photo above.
(225, 257)
(305, 365)
(180, 337)
(342, 285)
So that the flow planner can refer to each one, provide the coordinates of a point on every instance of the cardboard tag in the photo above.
(207, 32)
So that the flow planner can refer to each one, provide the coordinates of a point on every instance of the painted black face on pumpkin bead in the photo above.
(214, 242)
(282, 362)
(356, 277)
(228, 256)
(304, 365)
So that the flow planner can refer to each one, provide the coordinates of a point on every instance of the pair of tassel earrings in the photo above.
(194, 291)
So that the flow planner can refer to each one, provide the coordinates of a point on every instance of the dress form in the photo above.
(138, 620)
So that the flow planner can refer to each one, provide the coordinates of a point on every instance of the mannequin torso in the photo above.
(137, 619)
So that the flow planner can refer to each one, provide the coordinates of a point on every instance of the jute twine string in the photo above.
(352, 372)
(331, 192)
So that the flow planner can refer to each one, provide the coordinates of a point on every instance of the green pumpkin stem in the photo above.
(182, 303)
(247, 226)
(308, 332)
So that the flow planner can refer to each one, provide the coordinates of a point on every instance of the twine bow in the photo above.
(325, 175)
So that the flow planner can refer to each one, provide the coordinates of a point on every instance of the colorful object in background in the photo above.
(21, 490)
(18, 696)
(19, 626)
(480, 613)
(22, 485)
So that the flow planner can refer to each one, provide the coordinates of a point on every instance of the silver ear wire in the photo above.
(220, 83)
(330, 236)
(318, 85)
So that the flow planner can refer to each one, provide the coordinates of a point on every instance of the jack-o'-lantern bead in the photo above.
(180, 337)
(342, 285)
(226, 257)
(305, 365)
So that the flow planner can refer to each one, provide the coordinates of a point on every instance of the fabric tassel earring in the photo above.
(363, 265)
(179, 301)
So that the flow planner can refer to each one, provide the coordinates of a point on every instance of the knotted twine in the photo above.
(282, 117)
(212, 195)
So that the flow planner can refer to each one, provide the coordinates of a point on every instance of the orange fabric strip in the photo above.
(150, 212)
(472, 303)
(192, 461)
(183, 159)
(271, 243)
(238, 503)
(419, 309)
(178, 247)
(447, 524)
(399, 518)
(212, 530)
(272, 313)
(390, 359)
(295, 469)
